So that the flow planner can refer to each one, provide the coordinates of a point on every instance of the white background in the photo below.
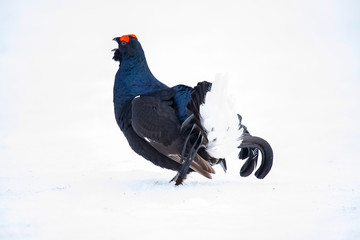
(67, 172)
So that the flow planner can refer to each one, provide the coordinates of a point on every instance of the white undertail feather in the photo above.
(220, 120)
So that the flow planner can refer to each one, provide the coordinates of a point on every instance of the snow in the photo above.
(66, 171)
(139, 204)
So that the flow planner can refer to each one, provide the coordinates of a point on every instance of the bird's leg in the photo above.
(176, 178)
(185, 144)
(190, 157)
(194, 126)
(179, 178)
(187, 158)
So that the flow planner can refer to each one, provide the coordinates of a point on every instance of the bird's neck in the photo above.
(132, 63)
(132, 79)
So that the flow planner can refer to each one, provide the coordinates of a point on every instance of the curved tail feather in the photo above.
(210, 110)
(252, 155)
(253, 144)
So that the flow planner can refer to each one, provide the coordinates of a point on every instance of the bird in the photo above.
(181, 128)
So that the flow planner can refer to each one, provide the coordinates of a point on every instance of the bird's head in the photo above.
(129, 47)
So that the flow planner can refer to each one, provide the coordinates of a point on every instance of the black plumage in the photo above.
(164, 124)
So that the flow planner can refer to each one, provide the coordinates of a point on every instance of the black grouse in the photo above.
(180, 128)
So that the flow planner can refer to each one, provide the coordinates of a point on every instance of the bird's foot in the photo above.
(178, 179)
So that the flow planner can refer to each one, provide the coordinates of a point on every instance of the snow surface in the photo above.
(141, 204)
(66, 171)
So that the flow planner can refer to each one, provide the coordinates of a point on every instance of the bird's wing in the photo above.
(181, 99)
(140, 145)
(154, 119)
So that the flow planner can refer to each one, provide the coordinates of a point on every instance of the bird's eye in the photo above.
(123, 43)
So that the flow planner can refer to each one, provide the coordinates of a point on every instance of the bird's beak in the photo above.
(116, 39)
(114, 49)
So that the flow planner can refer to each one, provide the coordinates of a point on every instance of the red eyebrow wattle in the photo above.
(126, 37)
